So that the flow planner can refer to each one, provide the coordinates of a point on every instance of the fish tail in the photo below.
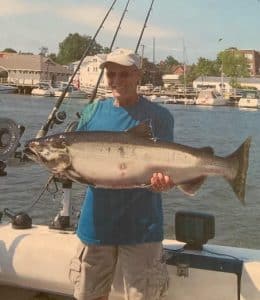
(240, 157)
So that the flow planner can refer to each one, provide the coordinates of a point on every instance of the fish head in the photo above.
(52, 152)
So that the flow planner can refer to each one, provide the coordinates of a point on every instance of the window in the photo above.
(249, 56)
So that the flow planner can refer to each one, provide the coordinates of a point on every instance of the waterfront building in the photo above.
(89, 72)
(215, 83)
(173, 78)
(27, 70)
(253, 58)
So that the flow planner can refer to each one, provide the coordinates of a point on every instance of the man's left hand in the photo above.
(161, 183)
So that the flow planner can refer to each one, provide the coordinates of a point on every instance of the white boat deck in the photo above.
(37, 259)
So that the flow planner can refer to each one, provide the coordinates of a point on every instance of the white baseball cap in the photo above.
(124, 57)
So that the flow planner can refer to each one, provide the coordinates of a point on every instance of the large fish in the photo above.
(128, 159)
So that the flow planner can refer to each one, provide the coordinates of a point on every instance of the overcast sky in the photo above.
(27, 25)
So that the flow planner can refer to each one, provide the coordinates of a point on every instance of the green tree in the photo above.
(191, 75)
(207, 67)
(73, 47)
(167, 64)
(151, 73)
(53, 56)
(9, 50)
(234, 65)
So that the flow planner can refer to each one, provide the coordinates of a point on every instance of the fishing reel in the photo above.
(58, 118)
(10, 134)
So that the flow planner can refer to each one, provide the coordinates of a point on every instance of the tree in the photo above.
(191, 75)
(9, 50)
(43, 51)
(73, 46)
(167, 64)
(206, 67)
(234, 65)
(53, 56)
(151, 73)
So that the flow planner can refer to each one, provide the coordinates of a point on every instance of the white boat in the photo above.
(7, 89)
(37, 260)
(250, 99)
(157, 99)
(43, 89)
(72, 92)
(210, 97)
(185, 101)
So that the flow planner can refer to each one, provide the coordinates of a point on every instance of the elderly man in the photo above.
(123, 225)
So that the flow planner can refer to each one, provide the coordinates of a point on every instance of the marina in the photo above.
(207, 210)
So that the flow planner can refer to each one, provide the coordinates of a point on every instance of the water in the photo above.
(223, 128)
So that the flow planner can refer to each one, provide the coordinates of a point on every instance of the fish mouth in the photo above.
(31, 154)
(31, 151)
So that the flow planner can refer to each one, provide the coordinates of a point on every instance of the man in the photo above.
(124, 225)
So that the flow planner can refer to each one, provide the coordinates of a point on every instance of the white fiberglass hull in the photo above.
(250, 103)
(37, 259)
(5, 89)
(211, 102)
(71, 95)
(41, 92)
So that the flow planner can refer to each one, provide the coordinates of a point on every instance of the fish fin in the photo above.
(240, 156)
(208, 150)
(143, 129)
(191, 187)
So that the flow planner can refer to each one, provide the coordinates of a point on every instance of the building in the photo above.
(89, 72)
(215, 83)
(173, 79)
(253, 58)
(27, 70)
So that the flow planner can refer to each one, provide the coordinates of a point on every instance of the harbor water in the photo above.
(223, 128)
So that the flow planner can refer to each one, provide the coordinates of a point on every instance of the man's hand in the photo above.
(161, 183)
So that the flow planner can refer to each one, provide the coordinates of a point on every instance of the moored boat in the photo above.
(72, 92)
(7, 89)
(249, 99)
(43, 89)
(210, 97)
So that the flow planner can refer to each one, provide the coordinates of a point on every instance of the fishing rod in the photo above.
(110, 49)
(93, 95)
(53, 115)
(145, 22)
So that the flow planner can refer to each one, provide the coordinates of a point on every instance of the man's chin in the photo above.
(118, 94)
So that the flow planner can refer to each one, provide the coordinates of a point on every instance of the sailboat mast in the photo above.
(153, 50)
(184, 68)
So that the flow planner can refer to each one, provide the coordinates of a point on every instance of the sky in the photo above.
(184, 29)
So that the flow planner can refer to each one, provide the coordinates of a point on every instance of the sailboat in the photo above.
(185, 100)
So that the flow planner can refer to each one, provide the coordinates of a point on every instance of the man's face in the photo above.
(122, 80)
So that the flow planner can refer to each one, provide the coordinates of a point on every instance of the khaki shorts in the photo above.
(140, 271)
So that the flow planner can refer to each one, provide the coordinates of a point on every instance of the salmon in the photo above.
(122, 160)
